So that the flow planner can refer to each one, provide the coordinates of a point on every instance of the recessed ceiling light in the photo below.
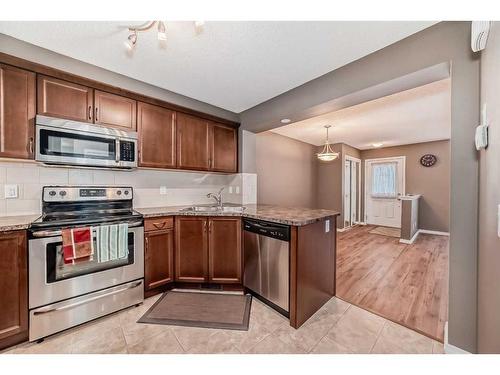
(377, 145)
(285, 121)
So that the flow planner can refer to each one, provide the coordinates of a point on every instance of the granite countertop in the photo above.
(16, 222)
(284, 215)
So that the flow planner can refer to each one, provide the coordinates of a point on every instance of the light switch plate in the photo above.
(498, 221)
(230, 190)
(11, 191)
(163, 190)
(237, 189)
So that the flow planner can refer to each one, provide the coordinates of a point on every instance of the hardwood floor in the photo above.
(407, 284)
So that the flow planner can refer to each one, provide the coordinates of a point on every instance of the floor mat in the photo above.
(207, 310)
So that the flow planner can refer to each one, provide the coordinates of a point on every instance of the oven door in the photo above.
(75, 147)
(52, 280)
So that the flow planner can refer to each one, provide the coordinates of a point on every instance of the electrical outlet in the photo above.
(11, 191)
(230, 190)
(237, 189)
(163, 190)
(327, 226)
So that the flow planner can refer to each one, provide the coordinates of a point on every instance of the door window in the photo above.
(384, 180)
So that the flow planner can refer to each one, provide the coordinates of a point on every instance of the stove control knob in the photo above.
(126, 192)
(62, 193)
(52, 193)
(119, 192)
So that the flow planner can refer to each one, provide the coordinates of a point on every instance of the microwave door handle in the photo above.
(117, 150)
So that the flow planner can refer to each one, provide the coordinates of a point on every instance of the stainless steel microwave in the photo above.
(67, 142)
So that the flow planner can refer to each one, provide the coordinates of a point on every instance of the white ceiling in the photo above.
(418, 115)
(232, 65)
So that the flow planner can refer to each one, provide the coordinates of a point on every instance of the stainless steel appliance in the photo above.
(77, 143)
(267, 262)
(62, 295)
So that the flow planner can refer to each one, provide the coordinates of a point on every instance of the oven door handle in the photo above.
(70, 306)
(53, 233)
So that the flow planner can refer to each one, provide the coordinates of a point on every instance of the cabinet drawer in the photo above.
(158, 223)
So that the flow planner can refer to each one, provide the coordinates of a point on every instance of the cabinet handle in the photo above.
(90, 112)
(147, 245)
(30, 145)
(205, 226)
(210, 226)
(209, 162)
(96, 110)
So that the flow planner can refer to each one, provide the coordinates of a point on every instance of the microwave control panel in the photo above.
(127, 151)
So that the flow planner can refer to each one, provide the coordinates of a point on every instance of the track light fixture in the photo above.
(162, 31)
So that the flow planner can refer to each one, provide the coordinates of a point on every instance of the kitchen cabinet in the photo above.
(13, 288)
(224, 148)
(58, 98)
(193, 148)
(224, 249)
(191, 249)
(156, 127)
(17, 112)
(115, 111)
(208, 249)
(158, 252)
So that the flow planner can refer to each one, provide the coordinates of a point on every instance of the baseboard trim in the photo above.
(342, 229)
(411, 240)
(360, 223)
(438, 233)
(451, 349)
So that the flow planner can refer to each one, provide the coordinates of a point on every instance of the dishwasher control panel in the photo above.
(266, 228)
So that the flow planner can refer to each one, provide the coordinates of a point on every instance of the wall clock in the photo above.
(428, 160)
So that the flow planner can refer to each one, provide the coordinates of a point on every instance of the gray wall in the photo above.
(444, 42)
(43, 56)
(433, 183)
(286, 171)
(489, 243)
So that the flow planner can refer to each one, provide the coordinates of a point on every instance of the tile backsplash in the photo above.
(180, 187)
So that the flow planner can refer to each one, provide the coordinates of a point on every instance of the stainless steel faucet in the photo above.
(217, 197)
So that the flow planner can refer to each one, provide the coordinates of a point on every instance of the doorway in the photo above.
(352, 191)
(384, 185)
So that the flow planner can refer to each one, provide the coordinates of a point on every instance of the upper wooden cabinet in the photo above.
(57, 98)
(224, 249)
(17, 112)
(191, 249)
(193, 147)
(13, 288)
(156, 127)
(114, 110)
(224, 148)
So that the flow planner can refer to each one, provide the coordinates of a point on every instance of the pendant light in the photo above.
(327, 154)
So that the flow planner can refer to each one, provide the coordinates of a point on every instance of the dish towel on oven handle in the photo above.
(78, 244)
(112, 242)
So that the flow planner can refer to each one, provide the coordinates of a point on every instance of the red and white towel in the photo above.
(78, 244)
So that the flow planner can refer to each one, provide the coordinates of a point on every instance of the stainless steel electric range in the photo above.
(62, 294)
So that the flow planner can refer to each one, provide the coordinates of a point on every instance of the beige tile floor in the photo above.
(337, 327)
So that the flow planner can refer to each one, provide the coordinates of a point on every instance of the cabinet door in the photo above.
(224, 150)
(17, 112)
(13, 288)
(191, 249)
(159, 254)
(156, 127)
(224, 250)
(114, 110)
(63, 99)
(193, 150)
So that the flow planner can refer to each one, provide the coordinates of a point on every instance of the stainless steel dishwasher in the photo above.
(267, 262)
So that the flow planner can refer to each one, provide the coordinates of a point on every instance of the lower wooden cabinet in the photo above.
(191, 249)
(159, 258)
(13, 288)
(208, 249)
(224, 250)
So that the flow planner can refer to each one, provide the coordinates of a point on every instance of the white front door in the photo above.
(384, 184)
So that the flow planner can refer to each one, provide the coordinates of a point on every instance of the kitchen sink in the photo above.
(226, 207)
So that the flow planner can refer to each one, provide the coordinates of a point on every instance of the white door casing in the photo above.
(384, 211)
(351, 190)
